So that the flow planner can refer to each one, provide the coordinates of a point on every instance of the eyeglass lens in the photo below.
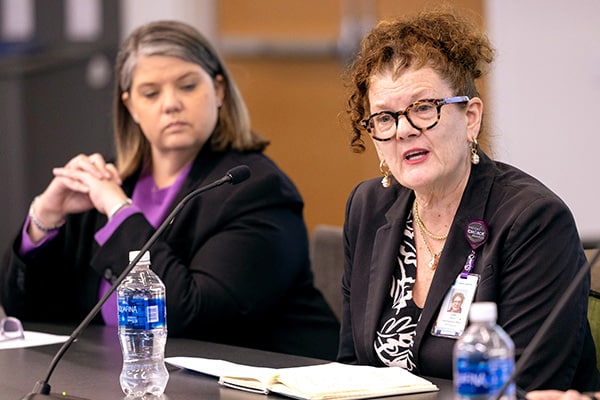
(421, 115)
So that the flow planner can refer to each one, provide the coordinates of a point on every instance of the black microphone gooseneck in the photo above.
(550, 319)
(41, 389)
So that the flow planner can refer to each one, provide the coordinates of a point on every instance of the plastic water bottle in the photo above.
(142, 330)
(484, 357)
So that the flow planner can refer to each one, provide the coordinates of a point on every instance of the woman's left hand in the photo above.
(99, 179)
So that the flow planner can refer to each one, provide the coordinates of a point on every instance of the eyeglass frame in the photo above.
(5, 335)
(397, 114)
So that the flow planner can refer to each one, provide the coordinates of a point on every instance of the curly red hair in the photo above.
(440, 38)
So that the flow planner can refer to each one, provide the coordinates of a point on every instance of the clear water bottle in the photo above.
(142, 330)
(484, 357)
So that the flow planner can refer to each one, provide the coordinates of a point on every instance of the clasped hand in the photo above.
(85, 182)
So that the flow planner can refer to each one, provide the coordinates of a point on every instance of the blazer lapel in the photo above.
(200, 173)
(383, 261)
(453, 258)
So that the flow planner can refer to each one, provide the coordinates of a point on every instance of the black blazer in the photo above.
(532, 254)
(235, 264)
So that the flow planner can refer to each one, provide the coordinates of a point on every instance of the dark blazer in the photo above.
(532, 254)
(235, 264)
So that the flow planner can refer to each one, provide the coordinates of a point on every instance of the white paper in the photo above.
(219, 368)
(32, 339)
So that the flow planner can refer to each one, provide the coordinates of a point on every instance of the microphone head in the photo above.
(238, 174)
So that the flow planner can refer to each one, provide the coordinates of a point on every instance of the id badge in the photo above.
(454, 314)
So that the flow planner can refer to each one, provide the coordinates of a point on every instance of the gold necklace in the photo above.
(422, 225)
(432, 264)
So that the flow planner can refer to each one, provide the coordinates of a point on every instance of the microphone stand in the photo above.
(42, 388)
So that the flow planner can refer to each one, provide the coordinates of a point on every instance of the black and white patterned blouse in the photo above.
(395, 336)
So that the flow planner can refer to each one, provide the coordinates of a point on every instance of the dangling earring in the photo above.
(474, 155)
(386, 180)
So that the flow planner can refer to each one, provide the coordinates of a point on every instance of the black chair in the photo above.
(327, 260)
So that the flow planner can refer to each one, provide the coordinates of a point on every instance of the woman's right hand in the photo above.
(559, 395)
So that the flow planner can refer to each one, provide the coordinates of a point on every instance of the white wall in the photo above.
(18, 20)
(545, 97)
(199, 13)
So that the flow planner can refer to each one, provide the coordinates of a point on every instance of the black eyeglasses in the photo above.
(10, 329)
(422, 115)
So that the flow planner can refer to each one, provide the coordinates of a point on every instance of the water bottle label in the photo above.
(140, 312)
(483, 377)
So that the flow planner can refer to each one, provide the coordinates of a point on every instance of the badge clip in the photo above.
(477, 234)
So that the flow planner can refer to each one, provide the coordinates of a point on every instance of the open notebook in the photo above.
(314, 382)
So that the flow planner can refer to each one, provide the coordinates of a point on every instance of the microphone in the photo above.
(550, 319)
(41, 390)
